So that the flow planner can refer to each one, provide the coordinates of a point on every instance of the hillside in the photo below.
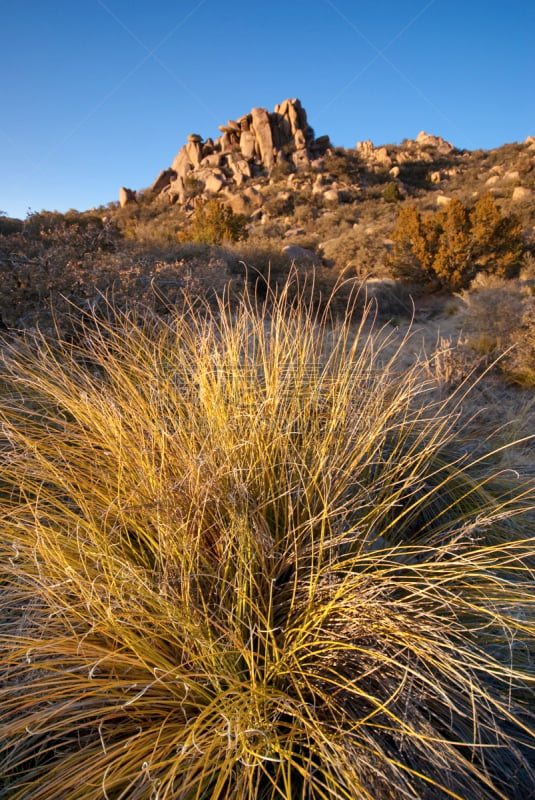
(292, 186)
(267, 194)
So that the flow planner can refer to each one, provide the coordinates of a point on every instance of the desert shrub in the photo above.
(281, 170)
(280, 204)
(415, 174)
(415, 244)
(193, 186)
(344, 165)
(497, 239)
(391, 193)
(452, 364)
(390, 299)
(453, 260)
(453, 245)
(262, 256)
(214, 222)
(159, 227)
(499, 321)
(356, 253)
(9, 225)
(520, 363)
(55, 255)
(244, 557)
(494, 309)
(45, 279)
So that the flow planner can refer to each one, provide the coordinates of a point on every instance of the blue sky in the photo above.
(96, 94)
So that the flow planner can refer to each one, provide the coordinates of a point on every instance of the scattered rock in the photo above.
(365, 149)
(320, 182)
(442, 200)
(381, 157)
(264, 138)
(291, 232)
(213, 180)
(240, 167)
(520, 193)
(300, 159)
(245, 202)
(212, 160)
(332, 196)
(176, 190)
(248, 145)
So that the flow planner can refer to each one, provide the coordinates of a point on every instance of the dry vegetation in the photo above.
(244, 555)
(268, 537)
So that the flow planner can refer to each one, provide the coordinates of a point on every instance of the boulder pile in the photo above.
(251, 146)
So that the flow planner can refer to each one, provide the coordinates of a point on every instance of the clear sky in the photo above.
(96, 94)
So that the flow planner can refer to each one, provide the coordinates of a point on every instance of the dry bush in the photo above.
(356, 253)
(499, 320)
(494, 308)
(243, 556)
(521, 362)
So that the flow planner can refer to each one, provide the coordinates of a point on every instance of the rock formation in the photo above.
(126, 197)
(423, 148)
(250, 146)
(441, 145)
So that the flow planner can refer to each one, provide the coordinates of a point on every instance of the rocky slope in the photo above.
(305, 202)
(265, 162)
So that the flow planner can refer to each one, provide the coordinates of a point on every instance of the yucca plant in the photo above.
(245, 556)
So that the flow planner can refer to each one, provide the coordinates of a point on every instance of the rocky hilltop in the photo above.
(279, 147)
(297, 201)
(248, 147)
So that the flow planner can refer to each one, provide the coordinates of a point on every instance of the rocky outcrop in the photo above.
(261, 128)
(126, 196)
(248, 147)
(437, 142)
(264, 146)
(163, 180)
(373, 156)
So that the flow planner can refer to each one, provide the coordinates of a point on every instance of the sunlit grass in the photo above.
(244, 557)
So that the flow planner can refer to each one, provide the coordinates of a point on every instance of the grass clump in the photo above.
(244, 557)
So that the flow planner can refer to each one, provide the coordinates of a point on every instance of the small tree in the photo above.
(412, 258)
(214, 222)
(453, 245)
(453, 263)
(497, 239)
(391, 193)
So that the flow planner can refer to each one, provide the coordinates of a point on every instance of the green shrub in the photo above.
(214, 222)
(244, 557)
(391, 193)
(344, 165)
